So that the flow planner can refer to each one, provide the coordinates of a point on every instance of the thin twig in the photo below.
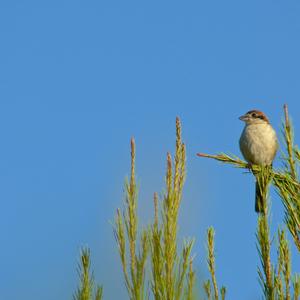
(237, 162)
(289, 142)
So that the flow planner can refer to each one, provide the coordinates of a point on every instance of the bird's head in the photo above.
(254, 117)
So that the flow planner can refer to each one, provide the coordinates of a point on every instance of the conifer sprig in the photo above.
(289, 143)
(212, 269)
(125, 231)
(172, 274)
(86, 285)
(266, 275)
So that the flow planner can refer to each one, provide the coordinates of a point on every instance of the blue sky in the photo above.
(79, 78)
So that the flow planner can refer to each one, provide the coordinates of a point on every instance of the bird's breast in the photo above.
(258, 144)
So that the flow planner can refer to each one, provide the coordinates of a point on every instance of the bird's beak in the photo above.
(243, 118)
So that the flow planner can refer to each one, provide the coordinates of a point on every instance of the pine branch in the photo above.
(86, 285)
(212, 268)
(126, 226)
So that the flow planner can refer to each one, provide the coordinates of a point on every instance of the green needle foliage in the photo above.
(126, 226)
(86, 287)
(289, 189)
(169, 270)
(154, 264)
(171, 274)
(212, 269)
(284, 265)
(264, 248)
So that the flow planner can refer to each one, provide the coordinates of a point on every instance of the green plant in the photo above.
(126, 226)
(154, 264)
(212, 269)
(86, 286)
(171, 275)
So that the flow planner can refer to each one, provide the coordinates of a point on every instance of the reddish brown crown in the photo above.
(258, 115)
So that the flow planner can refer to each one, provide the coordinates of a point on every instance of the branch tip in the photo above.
(286, 113)
(132, 142)
(201, 154)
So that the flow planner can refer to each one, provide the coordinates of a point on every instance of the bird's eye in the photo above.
(254, 115)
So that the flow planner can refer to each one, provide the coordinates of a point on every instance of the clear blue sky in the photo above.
(79, 78)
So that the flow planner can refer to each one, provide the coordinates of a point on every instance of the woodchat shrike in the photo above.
(258, 144)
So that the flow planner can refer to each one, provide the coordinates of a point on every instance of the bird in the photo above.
(258, 144)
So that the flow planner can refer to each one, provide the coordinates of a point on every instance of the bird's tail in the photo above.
(259, 199)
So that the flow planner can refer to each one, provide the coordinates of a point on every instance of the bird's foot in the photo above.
(249, 166)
